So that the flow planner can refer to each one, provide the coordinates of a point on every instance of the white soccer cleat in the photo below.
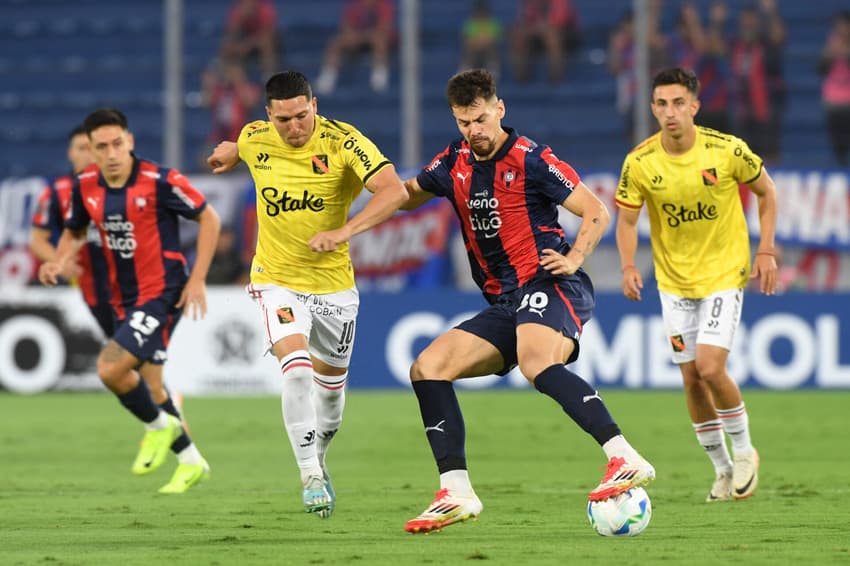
(447, 509)
(620, 476)
(721, 489)
(316, 497)
(745, 475)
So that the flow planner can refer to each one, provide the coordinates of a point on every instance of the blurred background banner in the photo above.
(48, 341)
(412, 250)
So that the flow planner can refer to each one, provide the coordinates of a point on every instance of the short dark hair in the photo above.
(286, 85)
(467, 86)
(76, 131)
(104, 117)
(677, 76)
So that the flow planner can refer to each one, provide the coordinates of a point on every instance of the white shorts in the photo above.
(327, 321)
(712, 320)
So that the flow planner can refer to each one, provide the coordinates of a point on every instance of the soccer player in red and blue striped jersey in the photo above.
(135, 205)
(506, 190)
(89, 271)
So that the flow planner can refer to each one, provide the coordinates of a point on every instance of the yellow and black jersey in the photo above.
(302, 191)
(700, 242)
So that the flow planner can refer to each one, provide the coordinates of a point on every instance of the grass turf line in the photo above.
(67, 495)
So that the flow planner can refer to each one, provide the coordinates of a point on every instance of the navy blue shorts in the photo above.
(564, 304)
(147, 329)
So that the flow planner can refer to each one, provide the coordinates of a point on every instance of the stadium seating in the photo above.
(59, 60)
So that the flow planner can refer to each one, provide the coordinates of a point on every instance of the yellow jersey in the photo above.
(700, 242)
(302, 191)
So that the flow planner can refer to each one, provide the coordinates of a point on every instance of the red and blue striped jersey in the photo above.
(507, 206)
(139, 228)
(53, 204)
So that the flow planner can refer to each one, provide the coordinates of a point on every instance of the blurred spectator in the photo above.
(758, 84)
(226, 267)
(251, 31)
(482, 34)
(703, 51)
(834, 66)
(366, 26)
(544, 25)
(231, 99)
(621, 62)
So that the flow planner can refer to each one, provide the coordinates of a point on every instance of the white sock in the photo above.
(328, 396)
(159, 423)
(456, 481)
(189, 455)
(736, 423)
(710, 437)
(620, 447)
(299, 415)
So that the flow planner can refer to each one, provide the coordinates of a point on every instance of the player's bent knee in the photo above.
(430, 368)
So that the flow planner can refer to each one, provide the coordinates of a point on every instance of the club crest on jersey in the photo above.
(141, 202)
(678, 343)
(285, 315)
(320, 164)
(709, 177)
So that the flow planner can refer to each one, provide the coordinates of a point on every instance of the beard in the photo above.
(482, 147)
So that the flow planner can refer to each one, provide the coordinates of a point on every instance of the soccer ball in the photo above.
(625, 515)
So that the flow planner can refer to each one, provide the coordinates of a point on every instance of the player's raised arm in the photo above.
(224, 157)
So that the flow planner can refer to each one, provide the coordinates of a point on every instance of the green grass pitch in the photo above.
(67, 495)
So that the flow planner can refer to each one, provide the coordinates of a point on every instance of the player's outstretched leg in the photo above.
(447, 509)
(626, 468)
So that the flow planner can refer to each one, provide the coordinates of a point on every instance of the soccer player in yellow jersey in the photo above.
(688, 178)
(308, 170)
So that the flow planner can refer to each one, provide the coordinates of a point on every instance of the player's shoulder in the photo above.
(255, 131)
(335, 131)
(647, 149)
(457, 149)
(61, 184)
(710, 139)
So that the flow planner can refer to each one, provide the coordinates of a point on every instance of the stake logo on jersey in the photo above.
(697, 220)
(302, 191)
(277, 201)
(522, 176)
(138, 225)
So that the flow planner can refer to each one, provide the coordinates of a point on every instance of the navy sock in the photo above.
(579, 400)
(443, 423)
(139, 402)
(181, 441)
